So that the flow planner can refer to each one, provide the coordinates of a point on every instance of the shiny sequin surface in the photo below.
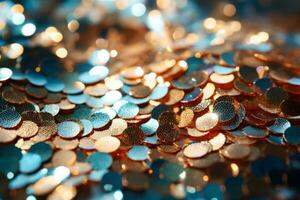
(149, 100)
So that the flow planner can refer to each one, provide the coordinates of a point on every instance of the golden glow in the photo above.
(163, 4)
(154, 13)
(139, 71)
(121, 4)
(258, 38)
(208, 90)
(15, 50)
(61, 52)
(54, 34)
(2, 24)
(264, 36)
(182, 63)
(205, 178)
(38, 69)
(113, 53)
(18, 8)
(221, 79)
(178, 33)
(160, 80)
(236, 26)
(73, 25)
(210, 23)
(229, 10)
(113, 82)
(235, 169)
(192, 37)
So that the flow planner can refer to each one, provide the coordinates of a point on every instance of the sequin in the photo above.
(99, 120)
(138, 153)
(255, 132)
(150, 126)
(30, 162)
(248, 74)
(87, 127)
(100, 161)
(291, 135)
(170, 171)
(236, 151)
(36, 78)
(167, 133)
(224, 110)
(159, 92)
(128, 110)
(279, 126)
(68, 129)
(197, 150)
(44, 150)
(192, 96)
(54, 85)
(63, 158)
(107, 144)
(132, 135)
(9, 118)
(94, 75)
(207, 121)
(28, 129)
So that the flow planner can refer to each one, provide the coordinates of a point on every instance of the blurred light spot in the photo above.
(235, 169)
(182, 175)
(18, 18)
(259, 38)
(97, 70)
(10, 175)
(118, 195)
(31, 197)
(139, 71)
(108, 187)
(138, 9)
(15, 50)
(236, 26)
(178, 33)
(61, 172)
(38, 69)
(17, 8)
(113, 53)
(178, 191)
(44, 171)
(210, 23)
(229, 10)
(99, 57)
(54, 34)
(2, 24)
(28, 29)
(263, 36)
(163, 4)
(155, 21)
(191, 189)
(192, 37)
(73, 25)
(150, 80)
(121, 4)
(205, 178)
(61, 52)
(182, 63)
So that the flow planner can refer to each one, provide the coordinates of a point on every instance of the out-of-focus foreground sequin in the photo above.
(146, 100)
